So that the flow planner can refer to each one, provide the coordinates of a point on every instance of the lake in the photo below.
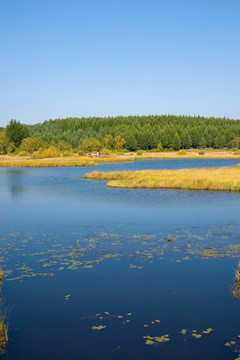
(90, 272)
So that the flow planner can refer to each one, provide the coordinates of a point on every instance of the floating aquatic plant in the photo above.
(234, 345)
(100, 327)
(151, 340)
(52, 254)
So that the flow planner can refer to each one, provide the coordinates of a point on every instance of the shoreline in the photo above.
(77, 160)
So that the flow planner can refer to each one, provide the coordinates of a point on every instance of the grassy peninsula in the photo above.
(222, 179)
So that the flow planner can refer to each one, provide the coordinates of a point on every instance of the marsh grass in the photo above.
(236, 286)
(119, 158)
(222, 179)
(182, 152)
(15, 161)
(3, 321)
(1, 276)
(3, 330)
(27, 161)
(191, 154)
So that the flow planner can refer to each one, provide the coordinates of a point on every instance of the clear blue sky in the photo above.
(62, 58)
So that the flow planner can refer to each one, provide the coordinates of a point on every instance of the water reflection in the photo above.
(15, 182)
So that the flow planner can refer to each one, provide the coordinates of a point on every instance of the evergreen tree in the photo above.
(131, 142)
(186, 140)
(176, 144)
(202, 143)
(16, 132)
(3, 143)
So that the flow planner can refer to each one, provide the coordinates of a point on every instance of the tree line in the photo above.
(115, 133)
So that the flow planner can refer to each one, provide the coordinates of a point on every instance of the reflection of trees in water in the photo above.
(14, 182)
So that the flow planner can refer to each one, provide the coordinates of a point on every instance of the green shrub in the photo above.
(91, 145)
(105, 152)
(11, 148)
(37, 154)
(153, 150)
(160, 147)
(30, 145)
(66, 153)
(139, 152)
(23, 153)
(181, 152)
(201, 152)
(52, 151)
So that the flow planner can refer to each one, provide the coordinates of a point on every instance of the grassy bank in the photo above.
(223, 179)
(76, 160)
(27, 161)
(190, 154)
(16, 161)
(115, 158)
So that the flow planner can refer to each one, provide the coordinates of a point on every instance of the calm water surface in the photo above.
(79, 255)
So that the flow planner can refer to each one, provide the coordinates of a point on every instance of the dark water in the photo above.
(61, 235)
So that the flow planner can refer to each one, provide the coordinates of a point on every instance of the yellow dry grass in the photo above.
(190, 154)
(118, 158)
(222, 179)
(16, 161)
(27, 161)
(76, 160)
